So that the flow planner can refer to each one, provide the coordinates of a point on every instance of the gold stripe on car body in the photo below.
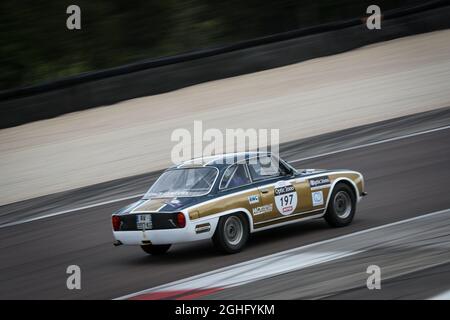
(151, 205)
(355, 177)
(303, 209)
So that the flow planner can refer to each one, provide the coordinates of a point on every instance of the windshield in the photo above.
(185, 182)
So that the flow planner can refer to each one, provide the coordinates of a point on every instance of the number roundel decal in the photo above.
(285, 197)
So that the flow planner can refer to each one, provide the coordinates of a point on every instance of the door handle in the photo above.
(265, 191)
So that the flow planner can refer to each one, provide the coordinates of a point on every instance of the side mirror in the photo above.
(291, 172)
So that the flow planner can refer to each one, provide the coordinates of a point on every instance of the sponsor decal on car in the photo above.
(173, 202)
(254, 198)
(263, 209)
(319, 181)
(317, 198)
(285, 197)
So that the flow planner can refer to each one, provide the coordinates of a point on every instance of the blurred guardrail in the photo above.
(144, 78)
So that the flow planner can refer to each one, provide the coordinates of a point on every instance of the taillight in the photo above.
(116, 223)
(181, 220)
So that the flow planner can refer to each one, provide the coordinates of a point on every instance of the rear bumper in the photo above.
(166, 236)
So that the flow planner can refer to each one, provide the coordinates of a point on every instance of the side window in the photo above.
(235, 176)
(263, 168)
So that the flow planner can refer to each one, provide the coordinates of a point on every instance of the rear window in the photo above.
(185, 182)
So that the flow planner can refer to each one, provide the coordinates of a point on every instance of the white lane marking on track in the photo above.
(258, 269)
(297, 160)
(442, 296)
(372, 144)
(69, 210)
(240, 269)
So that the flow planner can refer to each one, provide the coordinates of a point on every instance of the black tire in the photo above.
(155, 249)
(231, 233)
(342, 206)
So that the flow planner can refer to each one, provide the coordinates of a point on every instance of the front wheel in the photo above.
(155, 249)
(231, 234)
(342, 206)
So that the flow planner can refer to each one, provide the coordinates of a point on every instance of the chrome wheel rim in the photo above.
(233, 230)
(342, 204)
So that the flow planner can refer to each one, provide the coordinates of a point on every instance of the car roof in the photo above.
(220, 160)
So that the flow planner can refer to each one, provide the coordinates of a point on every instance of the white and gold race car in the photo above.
(227, 197)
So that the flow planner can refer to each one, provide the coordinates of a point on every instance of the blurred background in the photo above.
(36, 46)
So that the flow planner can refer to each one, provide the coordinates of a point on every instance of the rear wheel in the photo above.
(156, 249)
(231, 234)
(342, 206)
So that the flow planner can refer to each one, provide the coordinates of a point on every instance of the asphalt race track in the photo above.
(404, 178)
(402, 251)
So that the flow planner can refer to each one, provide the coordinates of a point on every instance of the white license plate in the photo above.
(144, 221)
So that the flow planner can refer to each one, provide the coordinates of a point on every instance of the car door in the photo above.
(282, 197)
